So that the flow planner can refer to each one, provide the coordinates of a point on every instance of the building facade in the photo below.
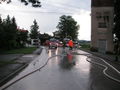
(102, 25)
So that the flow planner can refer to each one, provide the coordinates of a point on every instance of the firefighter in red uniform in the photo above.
(70, 43)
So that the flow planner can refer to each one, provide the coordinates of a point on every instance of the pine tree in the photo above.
(34, 33)
(9, 33)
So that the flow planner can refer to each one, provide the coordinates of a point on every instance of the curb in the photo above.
(97, 55)
(11, 75)
(105, 58)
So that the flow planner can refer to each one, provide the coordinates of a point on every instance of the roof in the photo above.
(102, 3)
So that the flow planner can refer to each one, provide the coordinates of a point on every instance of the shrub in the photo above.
(94, 49)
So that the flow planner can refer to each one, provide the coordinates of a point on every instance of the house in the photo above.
(102, 25)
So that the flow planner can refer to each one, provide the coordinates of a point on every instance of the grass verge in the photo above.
(85, 46)
(3, 63)
(27, 50)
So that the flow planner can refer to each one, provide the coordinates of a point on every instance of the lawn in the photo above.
(85, 46)
(26, 50)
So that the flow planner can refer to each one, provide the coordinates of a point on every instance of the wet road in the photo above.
(65, 70)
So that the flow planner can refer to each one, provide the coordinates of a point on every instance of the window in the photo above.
(102, 25)
(98, 15)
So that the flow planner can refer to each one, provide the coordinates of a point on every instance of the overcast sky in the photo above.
(48, 15)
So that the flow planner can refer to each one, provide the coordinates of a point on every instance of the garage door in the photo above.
(102, 46)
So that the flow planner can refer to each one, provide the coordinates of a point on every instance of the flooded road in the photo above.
(64, 70)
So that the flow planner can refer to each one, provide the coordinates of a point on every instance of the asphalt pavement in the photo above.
(21, 61)
(61, 69)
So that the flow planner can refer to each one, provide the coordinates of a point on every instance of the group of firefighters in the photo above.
(70, 44)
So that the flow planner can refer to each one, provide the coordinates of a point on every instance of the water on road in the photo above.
(63, 70)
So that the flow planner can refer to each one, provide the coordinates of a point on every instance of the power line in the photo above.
(62, 4)
(44, 12)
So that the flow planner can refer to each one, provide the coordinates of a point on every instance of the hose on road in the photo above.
(105, 68)
(30, 72)
(88, 57)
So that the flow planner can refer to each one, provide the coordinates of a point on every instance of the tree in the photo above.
(44, 37)
(117, 19)
(1, 32)
(22, 38)
(8, 31)
(34, 33)
(10, 36)
(116, 30)
(68, 27)
(35, 3)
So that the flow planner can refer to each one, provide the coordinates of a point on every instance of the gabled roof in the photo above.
(102, 3)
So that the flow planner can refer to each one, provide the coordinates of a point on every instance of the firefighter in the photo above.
(70, 43)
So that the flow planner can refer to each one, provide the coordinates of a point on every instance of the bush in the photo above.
(94, 49)
(109, 52)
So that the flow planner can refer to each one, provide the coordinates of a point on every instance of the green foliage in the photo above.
(116, 30)
(68, 27)
(8, 33)
(85, 46)
(10, 36)
(35, 3)
(34, 33)
(22, 37)
(27, 50)
(94, 49)
(44, 37)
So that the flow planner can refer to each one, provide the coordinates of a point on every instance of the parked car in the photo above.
(60, 44)
(53, 43)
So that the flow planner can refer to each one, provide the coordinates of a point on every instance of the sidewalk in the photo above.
(109, 58)
(18, 63)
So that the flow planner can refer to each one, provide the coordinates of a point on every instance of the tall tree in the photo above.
(116, 30)
(8, 33)
(34, 33)
(68, 27)
(14, 28)
(1, 32)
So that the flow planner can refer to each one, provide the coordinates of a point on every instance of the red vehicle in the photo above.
(53, 43)
(60, 43)
(46, 43)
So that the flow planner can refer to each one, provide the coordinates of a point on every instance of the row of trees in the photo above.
(10, 35)
(13, 37)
